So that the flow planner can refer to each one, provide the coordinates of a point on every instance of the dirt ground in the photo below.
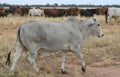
(111, 71)
(92, 70)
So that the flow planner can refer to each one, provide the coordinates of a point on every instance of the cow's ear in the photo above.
(94, 20)
(90, 25)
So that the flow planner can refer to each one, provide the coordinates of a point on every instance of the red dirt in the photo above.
(92, 70)
(111, 71)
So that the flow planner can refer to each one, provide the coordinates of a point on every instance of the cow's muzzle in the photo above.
(101, 35)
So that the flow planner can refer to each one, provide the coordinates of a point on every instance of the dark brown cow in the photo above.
(61, 12)
(102, 10)
(3, 12)
(54, 12)
(18, 10)
(51, 12)
(24, 10)
(73, 11)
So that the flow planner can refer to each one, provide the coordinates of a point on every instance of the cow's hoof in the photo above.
(83, 69)
(37, 71)
(63, 72)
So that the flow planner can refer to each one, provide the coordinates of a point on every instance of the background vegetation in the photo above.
(62, 5)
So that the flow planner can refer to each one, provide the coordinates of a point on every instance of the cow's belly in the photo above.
(49, 42)
(55, 43)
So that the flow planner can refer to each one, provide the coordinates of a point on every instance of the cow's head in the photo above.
(95, 28)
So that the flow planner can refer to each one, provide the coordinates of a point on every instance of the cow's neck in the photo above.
(86, 34)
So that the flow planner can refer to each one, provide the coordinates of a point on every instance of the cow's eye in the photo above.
(90, 25)
(98, 24)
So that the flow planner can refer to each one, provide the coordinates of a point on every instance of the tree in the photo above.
(47, 5)
(55, 4)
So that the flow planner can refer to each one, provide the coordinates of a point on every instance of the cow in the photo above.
(112, 12)
(86, 13)
(55, 12)
(3, 12)
(35, 12)
(93, 11)
(14, 10)
(11, 10)
(101, 10)
(72, 11)
(69, 34)
(25, 10)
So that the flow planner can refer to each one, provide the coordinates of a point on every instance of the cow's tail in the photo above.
(106, 16)
(9, 53)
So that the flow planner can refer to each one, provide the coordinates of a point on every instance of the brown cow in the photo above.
(17, 10)
(54, 12)
(61, 12)
(101, 11)
(73, 11)
(24, 10)
(3, 12)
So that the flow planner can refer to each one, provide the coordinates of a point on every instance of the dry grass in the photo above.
(105, 50)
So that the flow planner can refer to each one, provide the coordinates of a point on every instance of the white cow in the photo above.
(53, 36)
(35, 12)
(112, 12)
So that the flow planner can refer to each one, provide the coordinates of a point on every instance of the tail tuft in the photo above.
(8, 55)
(8, 59)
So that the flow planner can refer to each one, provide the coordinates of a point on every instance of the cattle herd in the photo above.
(108, 12)
(51, 12)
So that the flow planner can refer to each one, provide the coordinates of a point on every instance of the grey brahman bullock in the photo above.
(65, 35)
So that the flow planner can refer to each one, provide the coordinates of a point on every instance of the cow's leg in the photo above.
(63, 63)
(115, 18)
(109, 19)
(78, 52)
(31, 58)
(17, 55)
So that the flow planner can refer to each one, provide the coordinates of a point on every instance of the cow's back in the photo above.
(114, 11)
(48, 34)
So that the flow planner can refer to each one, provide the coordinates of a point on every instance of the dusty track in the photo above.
(111, 71)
